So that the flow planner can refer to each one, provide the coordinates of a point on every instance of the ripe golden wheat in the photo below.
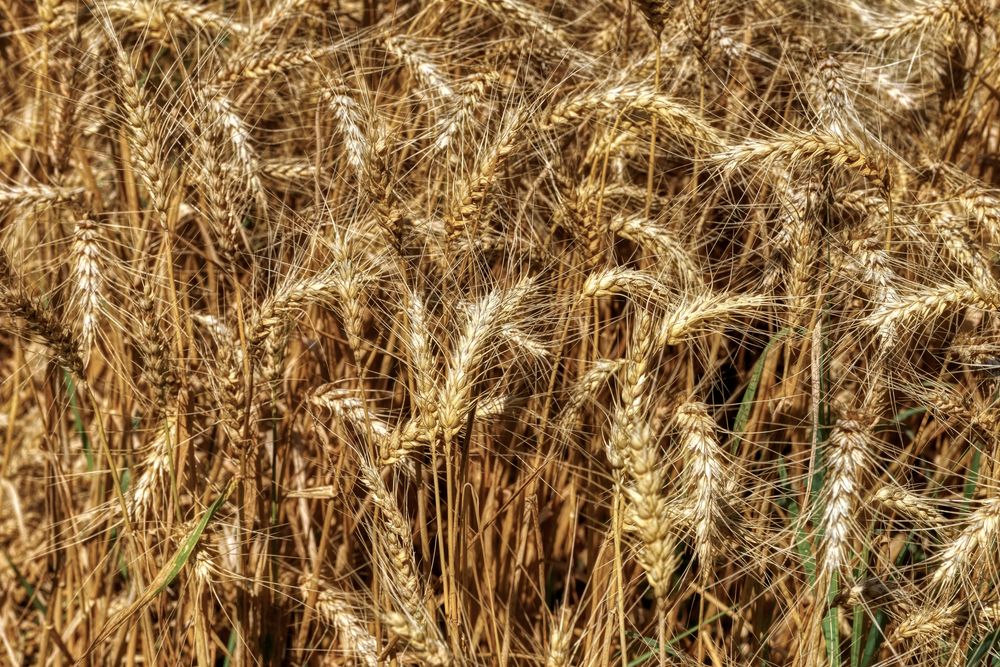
(500, 332)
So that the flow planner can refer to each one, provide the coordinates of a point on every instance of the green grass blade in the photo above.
(750, 393)
(26, 585)
(78, 424)
(972, 478)
(978, 654)
(858, 615)
(831, 624)
(875, 638)
(166, 574)
(673, 640)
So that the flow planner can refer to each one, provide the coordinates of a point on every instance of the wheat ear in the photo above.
(694, 311)
(419, 64)
(979, 537)
(88, 282)
(848, 452)
(929, 623)
(561, 639)
(399, 570)
(632, 446)
(29, 195)
(655, 12)
(355, 638)
(140, 129)
(471, 205)
(484, 320)
(38, 323)
(637, 285)
(812, 149)
(585, 390)
(918, 307)
(654, 237)
(936, 15)
(910, 505)
(472, 93)
(706, 477)
(350, 122)
(682, 121)
(529, 17)
(154, 468)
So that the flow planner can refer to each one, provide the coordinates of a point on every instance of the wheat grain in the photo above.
(699, 15)
(400, 572)
(155, 467)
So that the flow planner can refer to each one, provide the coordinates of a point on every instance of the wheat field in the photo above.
(500, 332)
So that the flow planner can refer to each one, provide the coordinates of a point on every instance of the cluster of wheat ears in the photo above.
(500, 332)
